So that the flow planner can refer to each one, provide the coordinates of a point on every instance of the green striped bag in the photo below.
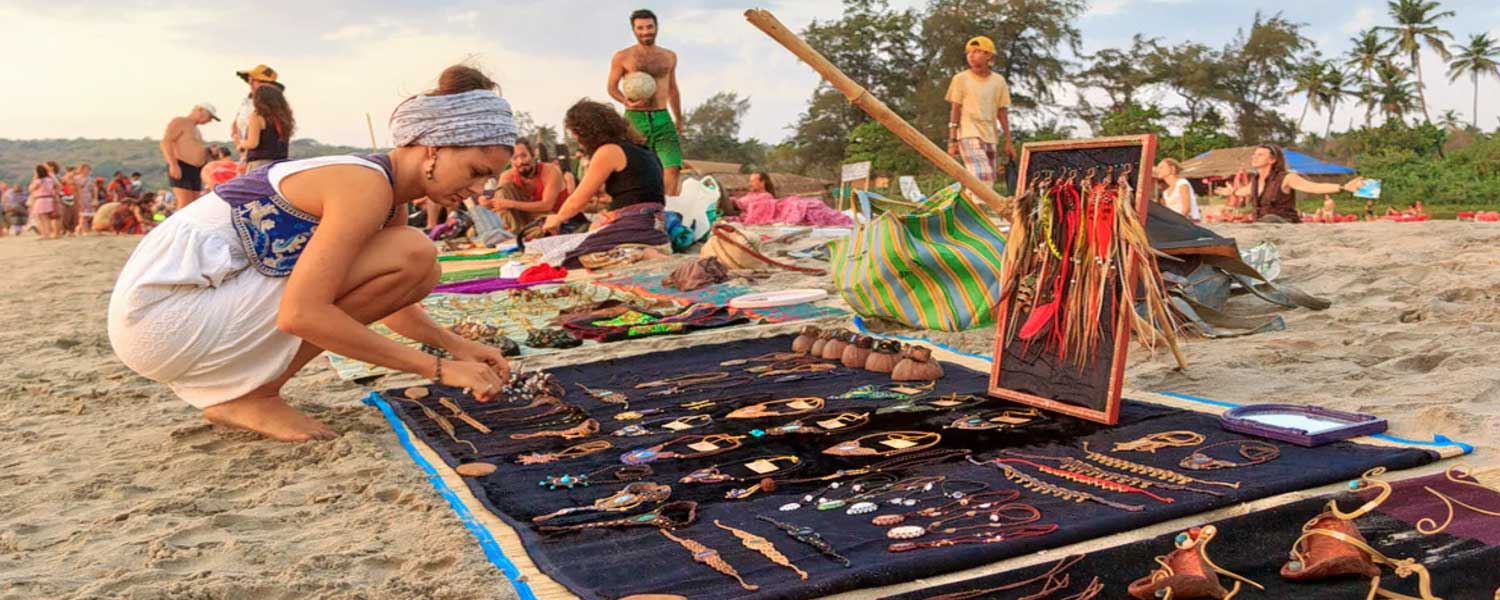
(936, 266)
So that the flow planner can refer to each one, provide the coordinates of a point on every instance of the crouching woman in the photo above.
(230, 297)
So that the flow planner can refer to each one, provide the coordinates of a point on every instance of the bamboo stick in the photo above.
(861, 98)
(369, 124)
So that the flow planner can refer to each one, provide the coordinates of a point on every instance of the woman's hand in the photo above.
(553, 224)
(1354, 184)
(463, 349)
(479, 378)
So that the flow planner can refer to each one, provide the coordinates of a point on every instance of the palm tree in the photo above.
(1309, 79)
(1480, 57)
(1416, 25)
(1449, 119)
(1367, 50)
(1393, 91)
(1335, 90)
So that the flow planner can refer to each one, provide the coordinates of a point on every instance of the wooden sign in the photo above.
(1034, 371)
(855, 172)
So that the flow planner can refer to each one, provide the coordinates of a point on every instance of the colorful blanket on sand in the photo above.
(760, 208)
(649, 286)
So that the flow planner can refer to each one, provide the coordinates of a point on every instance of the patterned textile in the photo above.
(650, 285)
(978, 157)
(477, 118)
(936, 268)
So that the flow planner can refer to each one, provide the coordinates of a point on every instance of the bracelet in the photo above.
(437, 372)
(952, 125)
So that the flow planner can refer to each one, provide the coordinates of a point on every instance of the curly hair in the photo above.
(596, 124)
(272, 106)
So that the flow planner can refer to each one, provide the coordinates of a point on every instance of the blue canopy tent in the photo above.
(1225, 162)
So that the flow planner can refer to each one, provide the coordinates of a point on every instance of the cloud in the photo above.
(464, 18)
(349, 32)
(1364, 18)
(1099, 8)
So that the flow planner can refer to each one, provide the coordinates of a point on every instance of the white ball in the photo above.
(638, 86)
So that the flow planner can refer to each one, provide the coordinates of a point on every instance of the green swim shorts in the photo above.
(661, 134)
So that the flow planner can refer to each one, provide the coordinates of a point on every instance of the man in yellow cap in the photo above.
(979, 97)
(256, 77)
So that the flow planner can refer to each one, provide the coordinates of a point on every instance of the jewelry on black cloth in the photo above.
(444, 424)
(668, 426)
(672, 515)
(896, 442)
(919, 459)
(606, 396)
(771, 357)
(807, 536)
(622, 473)
(1052, 581)
(1077, 466)
(1010, 514)
(886, 391)
(702, 445)
(710, 557)
(993, 537)
(1005, 419)
(858, 485)
(632, 496)
(1098, 482)
(760, 466)
(686, 379)
(763, 546)
(707, 386)
(1167, 439)
(582, 430)
(793, 407)
(822, 424)
(1167, 475)
(1255, 452)
(1042, 487)
(941, 403)
(574, 451)
(979, 500)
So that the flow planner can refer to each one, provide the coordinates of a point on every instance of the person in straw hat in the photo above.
(230, 297)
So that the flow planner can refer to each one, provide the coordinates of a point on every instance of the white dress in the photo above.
(189, 311)
(1183, 187)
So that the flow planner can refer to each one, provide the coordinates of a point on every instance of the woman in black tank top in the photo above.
(623, 167)
(268, 136)
(1272, 191)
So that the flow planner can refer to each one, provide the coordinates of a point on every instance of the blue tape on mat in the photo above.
(491, 548)
(1437, 440)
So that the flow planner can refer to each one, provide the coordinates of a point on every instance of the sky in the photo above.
(123, 68)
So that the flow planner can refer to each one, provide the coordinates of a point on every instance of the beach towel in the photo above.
(935, 267)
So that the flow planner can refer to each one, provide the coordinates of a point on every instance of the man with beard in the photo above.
(650, 115)
(530, 190)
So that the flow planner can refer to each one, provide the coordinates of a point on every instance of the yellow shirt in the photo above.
(981, 98)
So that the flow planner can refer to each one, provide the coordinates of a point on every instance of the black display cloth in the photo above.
(1256, 546)
(617, 562)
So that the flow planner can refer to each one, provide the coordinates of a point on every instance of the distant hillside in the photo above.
(18, 158)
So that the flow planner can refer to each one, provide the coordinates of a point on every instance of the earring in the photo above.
(431, 164)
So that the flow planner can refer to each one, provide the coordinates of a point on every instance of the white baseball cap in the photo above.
(209, 107)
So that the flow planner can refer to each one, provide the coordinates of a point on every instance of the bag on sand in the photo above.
(740, 251)
(935, 267)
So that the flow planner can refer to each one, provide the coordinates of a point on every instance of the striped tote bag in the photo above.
(936, 266)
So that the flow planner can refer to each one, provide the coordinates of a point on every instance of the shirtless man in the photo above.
(650, 116)
(530, 190)
(183, 148)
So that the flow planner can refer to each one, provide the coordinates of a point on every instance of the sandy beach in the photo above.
(112, 488)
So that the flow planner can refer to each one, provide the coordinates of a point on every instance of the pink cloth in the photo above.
(759, 208)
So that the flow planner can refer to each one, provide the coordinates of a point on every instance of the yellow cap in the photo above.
(980, 42)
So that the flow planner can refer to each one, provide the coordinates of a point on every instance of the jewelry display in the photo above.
(834, 348)
(667, 425)
(856, 486)
(770, 357)
(886, 391)
(798, 369)
(793, 407)
(581, 430)
(1458, 474)
(792, 362)
(1157, 441)
(922, 484)
(1069, 463)
(632, 496)
(758, 467)
(701, 446)
(981, 500)
(1005, 515)
(1041, 487)
(763, 546)
(1252, 451)
(1103, 484)
(458, 413)
(941, 403)
(1331, 546)
(710, 557)
(884, 357)
(1054, 579)
(621, 473)
(686, 379)
(1005, 419)
(527, 385)
(1187, 573)
(992, 537)
(539, 401)
(1157, 473)
(442, 422)
(896, 442)
(606, 396)
(704, 386)
(571, 452)
(919, 459)
(821, 424)
(808, 536)
(672, 515)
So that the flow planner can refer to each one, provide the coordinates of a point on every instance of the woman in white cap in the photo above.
(229, 298)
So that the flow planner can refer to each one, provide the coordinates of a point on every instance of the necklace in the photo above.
(787, 363)
(919, 459)
(622, 473)
(710, 557)
(687, 379)
(672, 515)
(807, 536)
(677, 424)
(903, 485)
(606, 396)
(799, 369)
(823, 424)
(707, 386)
(1069, 463)
(1042, 487)
(1156, 441)
(794, 406)
(763, 546)
(942, 403)
(856, 486)
(769, 357)
(886, 391)
(632, 496)
(1157, 473)
(1006, 419)
(994, 537)
(458, 413)
(1103, 484)
(759, 467)
(994, 517)
(1254, 453)
(702, 445)
(1052, 581)
(980, 500)
(442, 422)
(584, 429)
(899, 442)
(574, 451)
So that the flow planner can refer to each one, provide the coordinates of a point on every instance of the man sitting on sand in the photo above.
(183, 148)
(530, 190)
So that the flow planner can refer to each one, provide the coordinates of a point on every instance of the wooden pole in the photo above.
(369, 124)
(860, 97)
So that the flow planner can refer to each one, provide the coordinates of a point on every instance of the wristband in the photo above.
(437, 373)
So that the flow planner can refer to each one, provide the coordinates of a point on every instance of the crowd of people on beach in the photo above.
(60, 202)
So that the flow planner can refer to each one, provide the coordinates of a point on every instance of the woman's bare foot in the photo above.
(269, 416)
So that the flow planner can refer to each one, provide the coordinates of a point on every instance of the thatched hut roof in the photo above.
(1225, 162)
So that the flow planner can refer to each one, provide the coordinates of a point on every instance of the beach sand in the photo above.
(111, 487)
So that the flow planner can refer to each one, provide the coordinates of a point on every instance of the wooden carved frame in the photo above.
(1144, 189)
